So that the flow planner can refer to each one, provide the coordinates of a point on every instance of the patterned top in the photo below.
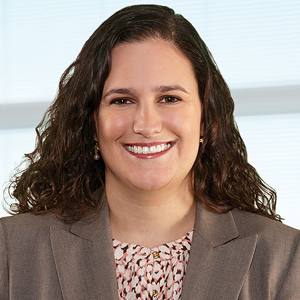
(157, 273)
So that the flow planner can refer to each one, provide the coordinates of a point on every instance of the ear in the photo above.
(201, 130)
(95, 115)
(202, 127)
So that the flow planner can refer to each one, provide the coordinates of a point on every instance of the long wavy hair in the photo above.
(61, 175)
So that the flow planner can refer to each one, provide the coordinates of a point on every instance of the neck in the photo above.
(150, 218)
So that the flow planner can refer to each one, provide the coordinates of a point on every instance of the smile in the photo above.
(148, 150)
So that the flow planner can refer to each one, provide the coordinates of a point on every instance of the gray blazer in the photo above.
(237, 255)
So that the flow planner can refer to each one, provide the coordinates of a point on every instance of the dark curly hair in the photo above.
(62, 176)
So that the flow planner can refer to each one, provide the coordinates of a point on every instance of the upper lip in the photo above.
(147, 144)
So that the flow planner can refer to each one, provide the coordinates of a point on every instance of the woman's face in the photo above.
(148, 121)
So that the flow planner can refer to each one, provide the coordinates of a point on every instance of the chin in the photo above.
(151, 185)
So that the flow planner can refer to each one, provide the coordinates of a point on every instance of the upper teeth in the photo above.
(146, 150)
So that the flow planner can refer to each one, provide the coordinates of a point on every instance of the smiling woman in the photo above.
(139, 186)
(150, 104)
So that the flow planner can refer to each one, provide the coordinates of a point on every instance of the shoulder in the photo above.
(28, 226)
(249, 223)
(275, 241)
(276, 256)
(30, 219)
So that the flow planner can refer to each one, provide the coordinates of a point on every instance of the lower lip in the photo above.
(148, 155)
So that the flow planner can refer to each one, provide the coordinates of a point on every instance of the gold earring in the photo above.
(201, 141)
(97, 151)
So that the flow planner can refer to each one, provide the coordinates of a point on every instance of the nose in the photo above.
(147, 120)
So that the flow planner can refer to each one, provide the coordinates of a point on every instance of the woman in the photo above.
(139, 186)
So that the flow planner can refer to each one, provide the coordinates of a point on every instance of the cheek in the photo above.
(113, 126)
(187, 124)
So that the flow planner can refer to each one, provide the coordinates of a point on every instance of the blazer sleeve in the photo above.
(290, 288)
(3, 266)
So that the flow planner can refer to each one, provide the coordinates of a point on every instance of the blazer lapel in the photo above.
(219, 258)
(84, 258)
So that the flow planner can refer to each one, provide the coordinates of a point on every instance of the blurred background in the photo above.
(256, 45)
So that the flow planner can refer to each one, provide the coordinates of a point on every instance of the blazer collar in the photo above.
(93, 224)
(216, 229)
(84, 259)
(219, 257)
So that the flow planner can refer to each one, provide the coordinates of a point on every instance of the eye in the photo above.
(120, 101)
(170, 99)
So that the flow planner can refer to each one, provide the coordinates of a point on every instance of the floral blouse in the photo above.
(156, 273)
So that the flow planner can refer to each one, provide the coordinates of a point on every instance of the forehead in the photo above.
(150, 61)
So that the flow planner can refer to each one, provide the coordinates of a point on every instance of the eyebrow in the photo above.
(160, 89)
(168, 88)
(119, 91)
